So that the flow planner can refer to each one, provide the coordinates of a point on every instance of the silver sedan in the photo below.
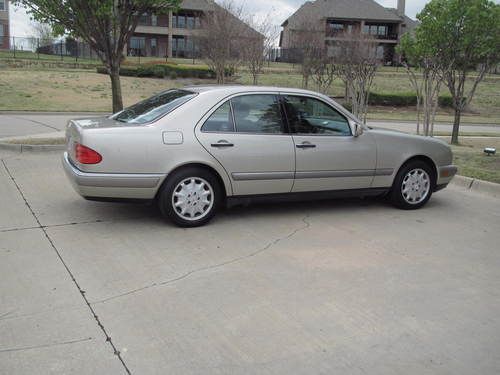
(193, 149)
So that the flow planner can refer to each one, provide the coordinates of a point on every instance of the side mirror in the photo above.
(358, 129)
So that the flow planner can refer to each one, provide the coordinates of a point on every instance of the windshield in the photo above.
(153, 108)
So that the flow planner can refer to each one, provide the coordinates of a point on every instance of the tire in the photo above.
(413, 185)
(202, 193)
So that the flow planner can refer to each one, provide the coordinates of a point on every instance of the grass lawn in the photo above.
(73, 90)
(472, 162)
(84, 90)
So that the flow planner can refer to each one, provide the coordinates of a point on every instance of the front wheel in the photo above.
(190, 197)
(413, 185)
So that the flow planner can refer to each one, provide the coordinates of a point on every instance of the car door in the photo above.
(328, 155)
(246, 134)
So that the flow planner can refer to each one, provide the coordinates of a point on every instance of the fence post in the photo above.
(38, 48)
(14, 44)
(61, 46)
(76, 51)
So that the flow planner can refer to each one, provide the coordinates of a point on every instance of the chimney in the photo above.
(401, 7)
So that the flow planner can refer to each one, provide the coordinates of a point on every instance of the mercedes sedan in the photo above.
(193, 149)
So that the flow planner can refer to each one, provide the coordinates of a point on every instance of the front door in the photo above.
(328, 156)
(246, 134)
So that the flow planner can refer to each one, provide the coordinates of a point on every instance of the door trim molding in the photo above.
(251, 176)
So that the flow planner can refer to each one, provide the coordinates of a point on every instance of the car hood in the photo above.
(397, 134)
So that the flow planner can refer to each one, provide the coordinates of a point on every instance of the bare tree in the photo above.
(323, 70)
(356, 62)
(308, 36)
(425, 70)
(220, 42)
(43, 32)
(259, 41)
(416, 83)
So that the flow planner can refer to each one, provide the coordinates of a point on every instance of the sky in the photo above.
(278, 10)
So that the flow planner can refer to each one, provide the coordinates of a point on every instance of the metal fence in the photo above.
(139, 50)
(46, 49)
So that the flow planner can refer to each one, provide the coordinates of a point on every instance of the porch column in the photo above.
(170, 31)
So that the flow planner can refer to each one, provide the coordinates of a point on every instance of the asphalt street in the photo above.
(22, 124)
(332, 287)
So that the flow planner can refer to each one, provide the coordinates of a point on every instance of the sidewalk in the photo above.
(13, 124)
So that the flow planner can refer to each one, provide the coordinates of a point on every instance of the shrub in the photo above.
(445, 101)
(162, 70)
(396, 100)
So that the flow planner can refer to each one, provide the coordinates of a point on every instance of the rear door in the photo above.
(328, 156)
(247, 135)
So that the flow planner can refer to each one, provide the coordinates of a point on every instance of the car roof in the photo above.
(236, 89)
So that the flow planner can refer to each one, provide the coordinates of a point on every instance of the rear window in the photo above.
(155, 107)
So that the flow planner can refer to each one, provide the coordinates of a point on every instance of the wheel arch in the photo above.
(426, 159)
(225, 187)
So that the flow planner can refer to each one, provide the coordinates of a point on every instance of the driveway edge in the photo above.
(480, 186)
(27, 148)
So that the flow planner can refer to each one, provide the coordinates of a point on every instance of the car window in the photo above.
(257, 114)
(220, 121)
(153, 108)
(312, 116)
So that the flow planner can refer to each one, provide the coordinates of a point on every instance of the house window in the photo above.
(181, 22)
(137, 45)
(382, 30)
(154, 20)
(143, 20)
(190, 22)
(3, 6)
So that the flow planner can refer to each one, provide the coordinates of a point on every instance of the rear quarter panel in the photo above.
(141, 149)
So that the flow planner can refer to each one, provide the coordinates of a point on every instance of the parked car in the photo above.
(192, 149)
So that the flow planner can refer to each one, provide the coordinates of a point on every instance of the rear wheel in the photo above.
(190, 197)
(413, 185)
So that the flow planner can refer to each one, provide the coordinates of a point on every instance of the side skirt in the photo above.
(304, 196)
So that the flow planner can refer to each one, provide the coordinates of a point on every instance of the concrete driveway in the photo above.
(334, 287)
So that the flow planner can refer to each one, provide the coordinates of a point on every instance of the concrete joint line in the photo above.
(45, 345)
(82, 292)
(306, 225)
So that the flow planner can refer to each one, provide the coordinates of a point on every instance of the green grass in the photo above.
(472, 162)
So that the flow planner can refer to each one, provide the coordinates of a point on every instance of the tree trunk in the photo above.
(456, 126)
(116, 90)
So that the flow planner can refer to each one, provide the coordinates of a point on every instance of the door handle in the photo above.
(305, 145)
(222, 144)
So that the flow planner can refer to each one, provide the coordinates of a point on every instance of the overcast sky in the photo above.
(278, 9)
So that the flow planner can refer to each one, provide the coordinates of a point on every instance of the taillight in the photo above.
(86, 155)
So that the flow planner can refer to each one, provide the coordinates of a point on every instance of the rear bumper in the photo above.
(446, 174)
(112, 185)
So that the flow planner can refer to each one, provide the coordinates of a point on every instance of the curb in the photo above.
(479, 186)
(31, 148)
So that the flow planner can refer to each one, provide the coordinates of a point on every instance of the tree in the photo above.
(220, 43)
(106, 25)
(465, 36)
(355, 58)
(308, 36)
(43, 32)
(425, 71)
(258, 45)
